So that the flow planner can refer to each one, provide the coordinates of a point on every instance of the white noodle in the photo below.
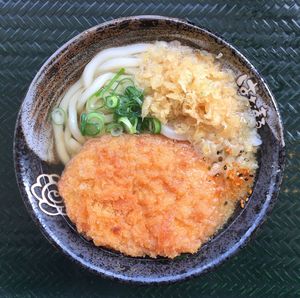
(76, 147)
(67, 137)
(72, 145)
(72, 90)
(72, 118)
(115, 64)
(89, 70)
(95, 86)
(255, 139)
(60, 144)
(170, 133)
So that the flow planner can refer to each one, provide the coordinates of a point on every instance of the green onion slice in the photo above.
(108, 118)
(58, 116)
(122, 82)
(128, 108)
(105, 89)
(138, 100)
(154, 125)
(129, 127)
(94, 103)
(115, 129)
(151, 125)
(134, 94)
(111, 101)
(132, 91)
(92, 123)
(82, 123)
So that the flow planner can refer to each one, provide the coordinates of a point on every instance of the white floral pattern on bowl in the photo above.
(46, 192)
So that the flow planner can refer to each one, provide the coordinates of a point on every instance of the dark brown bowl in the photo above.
(37, 175)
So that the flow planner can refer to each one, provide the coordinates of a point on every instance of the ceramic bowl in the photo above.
(37, 176)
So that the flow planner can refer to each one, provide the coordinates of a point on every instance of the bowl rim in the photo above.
(248, 235)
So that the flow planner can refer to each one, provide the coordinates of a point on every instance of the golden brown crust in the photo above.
(146, 195)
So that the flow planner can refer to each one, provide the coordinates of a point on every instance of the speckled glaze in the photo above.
(33, 151)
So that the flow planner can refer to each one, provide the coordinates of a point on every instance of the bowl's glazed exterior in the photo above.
(37, 173)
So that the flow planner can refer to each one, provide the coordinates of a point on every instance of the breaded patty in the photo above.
(146, 195)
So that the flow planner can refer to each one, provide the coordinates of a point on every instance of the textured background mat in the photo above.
(267, 32)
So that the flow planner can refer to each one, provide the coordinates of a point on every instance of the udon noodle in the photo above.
(97, 73)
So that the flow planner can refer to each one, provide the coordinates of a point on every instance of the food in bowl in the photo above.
(159, 147)
(147, 195)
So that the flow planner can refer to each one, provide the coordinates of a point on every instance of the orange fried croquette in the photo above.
(146, 195)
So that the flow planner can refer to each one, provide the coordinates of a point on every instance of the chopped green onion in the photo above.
(58, 116)
(138, 100)
(92, 123)
(139, 126)
(82, 123)
(154, 126)
(144, 126)
(105, 89)
(131, 129)
(112, 101)
(135, 121)
(94, 103)
(108, 118)
(151, 125)
(122, 102)
(121, 82)
(128, 107)
(132, 91)
(134, 94)
(115, 129)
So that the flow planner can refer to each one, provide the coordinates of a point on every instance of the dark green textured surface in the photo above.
(267, 32)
